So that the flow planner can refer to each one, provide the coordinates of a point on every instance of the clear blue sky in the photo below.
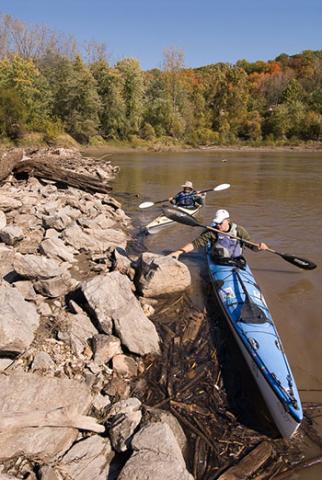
(209, 31)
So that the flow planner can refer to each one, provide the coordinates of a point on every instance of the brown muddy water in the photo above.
(278, 198)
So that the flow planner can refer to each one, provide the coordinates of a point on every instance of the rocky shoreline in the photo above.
(83, 369)
(74, 329)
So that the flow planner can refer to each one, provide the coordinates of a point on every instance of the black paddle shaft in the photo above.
(197, 192)
(186, 219)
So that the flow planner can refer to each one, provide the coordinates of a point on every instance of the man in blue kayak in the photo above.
(188, 197)
(223, 247)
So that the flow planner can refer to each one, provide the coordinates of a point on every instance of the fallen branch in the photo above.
(195, 430)
(181, 390)
(40, 168)
(192, 330)
(299, 467)
(311, 405)
(250, 463)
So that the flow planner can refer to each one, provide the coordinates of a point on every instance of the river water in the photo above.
(278, 198)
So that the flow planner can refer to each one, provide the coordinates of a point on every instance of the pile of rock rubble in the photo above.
(74, 330)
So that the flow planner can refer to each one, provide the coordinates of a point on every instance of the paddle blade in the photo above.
(179, 216)
(223, 186)
(146, 204)
(298, 261)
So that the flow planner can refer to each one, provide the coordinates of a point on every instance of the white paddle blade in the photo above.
(223, 186)
(146, 204)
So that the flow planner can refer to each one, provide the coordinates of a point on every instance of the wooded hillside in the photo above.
(47, 86)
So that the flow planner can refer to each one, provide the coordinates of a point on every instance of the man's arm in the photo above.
(200, 241)
(199, 199)
(244, 235)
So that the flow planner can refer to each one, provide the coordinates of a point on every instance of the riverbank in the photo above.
(74, 332)
(79, 330)
(168, 144)
(125, 149)
(112, 149)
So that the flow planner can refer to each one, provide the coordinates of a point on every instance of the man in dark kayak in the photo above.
(188, 197)
(222, 246)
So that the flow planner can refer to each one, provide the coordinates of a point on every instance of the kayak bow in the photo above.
(249, 318)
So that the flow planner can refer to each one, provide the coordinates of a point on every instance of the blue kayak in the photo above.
(249, 318)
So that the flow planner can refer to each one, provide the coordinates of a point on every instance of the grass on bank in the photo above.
(134, 142)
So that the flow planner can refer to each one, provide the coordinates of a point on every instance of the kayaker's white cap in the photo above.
(187, 185)
(220, 216)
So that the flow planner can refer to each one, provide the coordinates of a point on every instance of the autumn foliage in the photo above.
(48, 84)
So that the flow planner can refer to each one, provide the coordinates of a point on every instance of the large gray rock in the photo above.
(42, 362)
(101, 221)
(105, 347)
(124, 417)
(48, 473)
(122, 263)
(124, 366)
(7, 203)
(94, 240)
(160, 275)
(27, 221)
(79, 331)
(59, 221)
(55, 287)
(11, 234)
(163, 416)
(29, 392)
(7, 255)
(56, 248)
(111, 298)
(31, 242)
(87, 459)
(36, 266)
(156, 456)
(26, 289)
(18, 321)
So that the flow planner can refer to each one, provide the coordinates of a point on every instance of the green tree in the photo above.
(228, 96)
(311, 128)
(113, 121)
(277, 122)
(250, 127)
(157, 103)
(294, 92)
(30, 86)
(315, 100)
(12, 114)
(132, 92)
(76, 101)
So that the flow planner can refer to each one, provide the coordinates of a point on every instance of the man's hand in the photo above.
(263, 246)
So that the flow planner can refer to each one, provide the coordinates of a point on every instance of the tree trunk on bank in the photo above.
(8, 160)
(41, 168)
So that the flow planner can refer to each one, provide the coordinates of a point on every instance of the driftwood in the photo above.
(192, 330)
(59, 417)
(7, 162)
(41, 168)
(311, 405)
(250, 463)
(299, 467)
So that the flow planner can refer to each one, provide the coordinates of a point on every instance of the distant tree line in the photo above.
(48, 86)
